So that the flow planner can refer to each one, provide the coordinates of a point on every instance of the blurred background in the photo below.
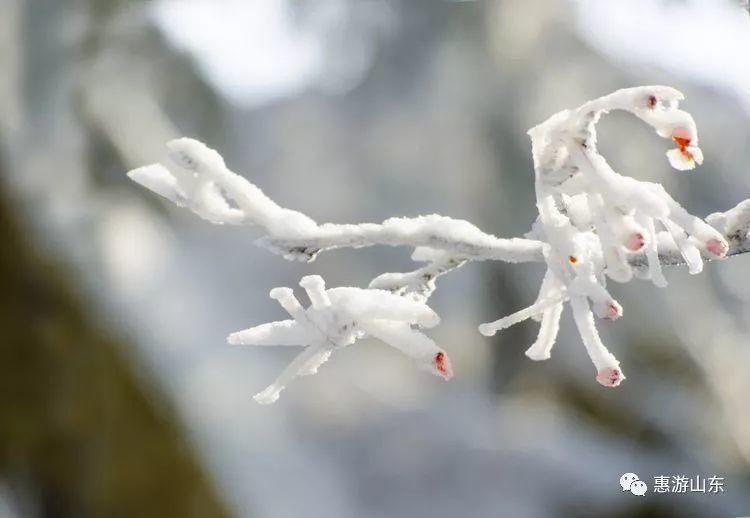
(118, 393)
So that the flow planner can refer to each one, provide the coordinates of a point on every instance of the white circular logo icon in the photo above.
(631, 482)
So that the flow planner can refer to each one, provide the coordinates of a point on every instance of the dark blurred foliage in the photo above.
(84, 427)
(81, 432)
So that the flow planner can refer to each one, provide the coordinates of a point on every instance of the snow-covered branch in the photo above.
(593, 225)
(337, 318)
(195, 176)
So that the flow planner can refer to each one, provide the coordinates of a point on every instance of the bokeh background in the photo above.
(118, 394)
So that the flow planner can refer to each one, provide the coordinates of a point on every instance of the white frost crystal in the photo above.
(594, 218)
(594, 224)
(339, 317)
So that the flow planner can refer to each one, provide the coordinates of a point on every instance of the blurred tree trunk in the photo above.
(81, 433)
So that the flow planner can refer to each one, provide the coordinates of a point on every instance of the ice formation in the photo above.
(338, 317)
(593, 218)
(593, 225)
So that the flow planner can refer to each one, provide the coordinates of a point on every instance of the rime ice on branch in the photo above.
(337, 318)
(593, 218)
(594, 224)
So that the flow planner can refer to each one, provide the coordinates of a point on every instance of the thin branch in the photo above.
(593, 224)
(195, 177)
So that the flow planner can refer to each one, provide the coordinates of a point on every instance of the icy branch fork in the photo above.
(594, 225)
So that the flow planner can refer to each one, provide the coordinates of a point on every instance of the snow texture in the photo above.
(594, 225)
(337, 318)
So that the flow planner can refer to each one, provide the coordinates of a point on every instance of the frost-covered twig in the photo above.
(338, 317)
(593, 218)
(594, 224)
(420, 283)
(195, 176)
